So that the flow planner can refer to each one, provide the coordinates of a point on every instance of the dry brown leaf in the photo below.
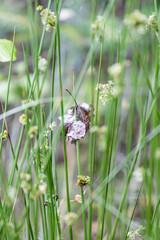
(76, 128)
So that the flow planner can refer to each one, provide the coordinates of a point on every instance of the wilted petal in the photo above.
(76, 131)
(86, 106)
(77, 127)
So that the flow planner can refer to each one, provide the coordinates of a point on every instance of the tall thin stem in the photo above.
(82, 194)
(62, 115)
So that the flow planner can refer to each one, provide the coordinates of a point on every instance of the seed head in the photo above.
(52, 125)
(51, 19)
(39, 188)
(46, 144)
(26, 101)
(108, 92)
(33, 131)
(40, 7)
(82, 181)
(136, 21)
(26, 186)
(4, 135)
(25, 182)
(23, 119)
(135, 234)
(152, 22)
(116, 70)
(138, 174)
(25, 176)
(42, 62)
(98, 28)
(69, 218)
(42, 187)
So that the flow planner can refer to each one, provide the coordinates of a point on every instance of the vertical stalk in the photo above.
(8, 91)
(134, 208)
(126, 188)
(103, 210)
(6, 105)
(93, 148)
(62, 115)
(91, 124)
(82, 194)
(96, 116)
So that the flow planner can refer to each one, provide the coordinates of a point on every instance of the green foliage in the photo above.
(6, 48)
(108, 62)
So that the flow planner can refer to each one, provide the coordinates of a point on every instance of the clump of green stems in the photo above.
(32, 179)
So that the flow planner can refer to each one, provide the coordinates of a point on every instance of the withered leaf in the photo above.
(76, 128)
(76, 131)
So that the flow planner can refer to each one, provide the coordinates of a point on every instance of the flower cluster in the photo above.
(136, 21)
(152, 22)
(4, 135)
(37, 189)
(82, 181)
(42, 62)
(25, 182)
(138, 174)
(35, 156)
(23, 119)
(33, 131)
(26, 101)
(69, 218)
(46, 134)
(116, 70)
(135, 234)
(52, 126)
(98, 28)
(47, 15)
(108, 92)
(46, 144)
